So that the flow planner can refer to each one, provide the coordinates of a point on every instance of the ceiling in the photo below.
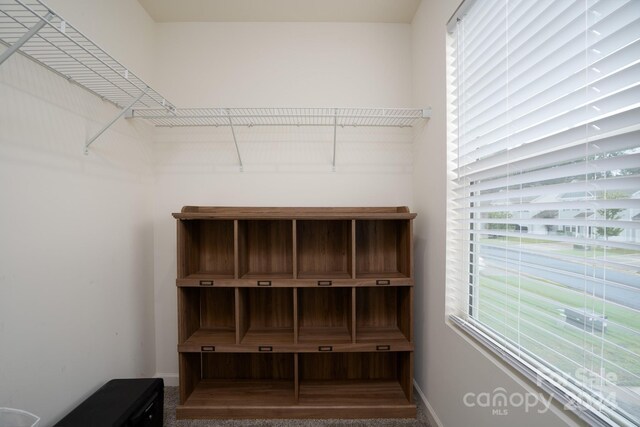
(388, 11)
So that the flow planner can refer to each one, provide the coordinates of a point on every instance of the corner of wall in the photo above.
(431, 415)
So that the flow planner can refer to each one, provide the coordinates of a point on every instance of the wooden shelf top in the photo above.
(215, 212)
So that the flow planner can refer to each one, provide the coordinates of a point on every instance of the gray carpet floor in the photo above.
(171, 400)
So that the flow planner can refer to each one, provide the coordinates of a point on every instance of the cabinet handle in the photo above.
(265, 348)
(325, 348)
(383, 282)
(208, 348)
(325, 282)
(383, 347)
(264, 282)
(206, 282)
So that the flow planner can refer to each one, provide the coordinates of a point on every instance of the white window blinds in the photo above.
(544, 215)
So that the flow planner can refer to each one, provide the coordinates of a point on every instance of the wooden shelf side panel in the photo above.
(189, 370)
(188, 313)
(405, 374)
(405, 307)
(405, 247)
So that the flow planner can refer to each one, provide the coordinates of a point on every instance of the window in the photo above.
(544, 213)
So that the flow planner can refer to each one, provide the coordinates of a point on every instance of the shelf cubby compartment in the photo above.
(266, 316)
(324, 315)
(383, 314)
(383, 248)
(324, 249)
(357, 379)
(214, 383)
(265, 249)
(206, 249)
(207, 316)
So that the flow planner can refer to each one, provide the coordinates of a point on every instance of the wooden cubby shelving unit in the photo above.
(295, 312)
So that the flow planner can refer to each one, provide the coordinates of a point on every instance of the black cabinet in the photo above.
(121, 403)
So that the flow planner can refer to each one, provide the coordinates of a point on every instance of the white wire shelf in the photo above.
(61, 48)
(33, 29)
(249, 117)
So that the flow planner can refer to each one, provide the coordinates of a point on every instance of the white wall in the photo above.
(272, 65)
(76, 251)
(283, 64)
(121, 27)
(447, 366)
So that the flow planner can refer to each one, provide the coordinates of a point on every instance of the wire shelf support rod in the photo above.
(26, 36)
(115, 119)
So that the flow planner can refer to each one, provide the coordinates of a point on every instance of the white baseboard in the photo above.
(170, 380)
(431, 414)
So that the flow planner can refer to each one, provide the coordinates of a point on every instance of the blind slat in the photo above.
(574, 134)
(556, 238)
(628, 161)
(593, 146)
(608, 184)
(571, 91)
(505, 137)
(576, 205)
